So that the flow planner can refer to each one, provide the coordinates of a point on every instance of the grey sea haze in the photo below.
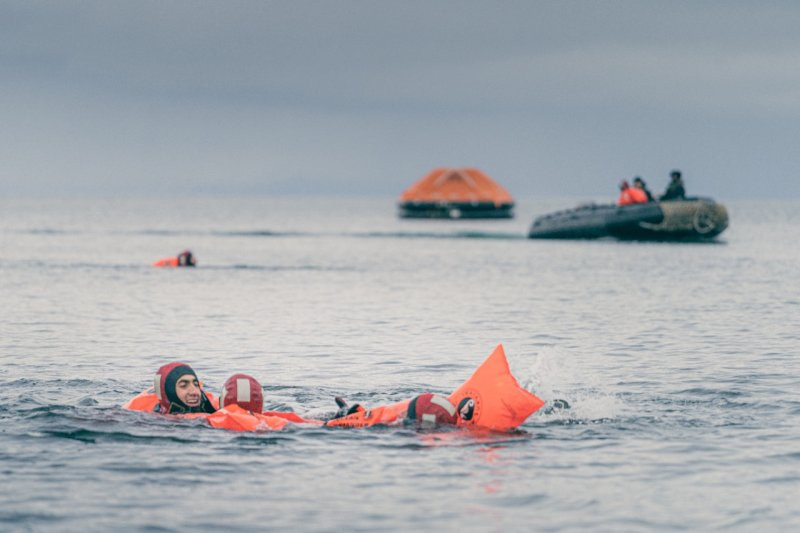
(680, 362)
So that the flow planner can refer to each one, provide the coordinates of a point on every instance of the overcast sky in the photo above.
(345, 97)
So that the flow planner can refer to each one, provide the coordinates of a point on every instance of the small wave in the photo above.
(437, 235)
(36, 264)
(281, 268)
(48, 231)
(262, 233)
(268, 233)
(93, 436)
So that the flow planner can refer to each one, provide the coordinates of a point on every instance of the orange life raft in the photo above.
(498, 402)
(231, 417)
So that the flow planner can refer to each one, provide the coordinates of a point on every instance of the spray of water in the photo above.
(570, 394)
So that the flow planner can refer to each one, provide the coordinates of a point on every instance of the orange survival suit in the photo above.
(631, 195)
(491, 398)
(231, 416)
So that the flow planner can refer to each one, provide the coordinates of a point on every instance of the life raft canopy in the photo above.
(448, 192)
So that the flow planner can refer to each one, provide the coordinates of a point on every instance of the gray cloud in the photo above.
(548, 97)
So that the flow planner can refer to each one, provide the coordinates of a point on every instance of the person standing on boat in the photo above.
(630, 195)
(675, 189)
(639, 183)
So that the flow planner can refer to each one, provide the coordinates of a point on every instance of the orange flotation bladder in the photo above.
(490, 399)
(167, 262)
(238, 419)
(231, 417)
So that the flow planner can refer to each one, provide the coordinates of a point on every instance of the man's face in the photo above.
(187, 389)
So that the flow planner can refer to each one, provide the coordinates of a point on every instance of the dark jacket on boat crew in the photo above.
(641, 185)
(675, 190)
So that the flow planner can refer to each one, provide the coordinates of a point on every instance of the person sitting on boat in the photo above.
(630, 195)
(675, 189)
(179, 391)
(639, 183)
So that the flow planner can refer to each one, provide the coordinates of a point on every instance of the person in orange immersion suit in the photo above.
(179, 391)
(425, 410)
(241, 407)
(184, 259)
(638, 183)
(630, 195)
(244, 391)
(431, 410)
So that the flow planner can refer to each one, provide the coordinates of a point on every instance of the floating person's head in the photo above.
(186, 258)
(624, 185)
(179, 391)
(638, 182)
(431, 410)
(244, 391)
(675, 175)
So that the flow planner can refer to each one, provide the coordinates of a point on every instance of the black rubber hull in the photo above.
(455, 210)
(698, 219)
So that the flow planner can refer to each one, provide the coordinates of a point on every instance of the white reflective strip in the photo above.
(444, 404)
(222, 398)
(242, 390)
(428, 418)
(157, 385)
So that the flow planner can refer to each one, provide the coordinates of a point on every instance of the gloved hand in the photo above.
(344, 409)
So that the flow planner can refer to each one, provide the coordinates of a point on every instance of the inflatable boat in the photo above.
(692, 219)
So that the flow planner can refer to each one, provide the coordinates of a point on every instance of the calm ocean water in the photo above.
(681, 363)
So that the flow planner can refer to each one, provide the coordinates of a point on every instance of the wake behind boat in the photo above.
(689, 219)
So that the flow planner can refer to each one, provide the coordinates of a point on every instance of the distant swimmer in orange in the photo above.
(630, 195)
(183, 259)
